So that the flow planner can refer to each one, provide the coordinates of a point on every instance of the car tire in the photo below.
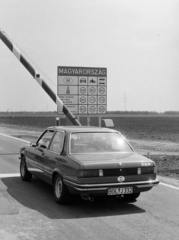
(25, 174)
(131, 197)
(60, 191)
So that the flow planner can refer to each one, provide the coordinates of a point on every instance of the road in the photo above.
(28, 211)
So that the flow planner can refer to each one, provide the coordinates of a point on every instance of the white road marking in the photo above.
(167, 185)
(6, 175)
(14, 138)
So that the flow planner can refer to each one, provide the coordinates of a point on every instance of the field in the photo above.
(159, 135)
(153, 128)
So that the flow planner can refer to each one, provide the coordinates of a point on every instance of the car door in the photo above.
(53, 158)
(36, 154)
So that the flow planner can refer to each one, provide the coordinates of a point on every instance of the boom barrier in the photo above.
(31, 69)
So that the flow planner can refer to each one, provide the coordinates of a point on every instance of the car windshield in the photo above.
(98, 142)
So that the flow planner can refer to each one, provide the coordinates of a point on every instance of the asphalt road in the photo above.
(28, 211)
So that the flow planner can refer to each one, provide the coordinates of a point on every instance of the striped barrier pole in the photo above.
(14, 49)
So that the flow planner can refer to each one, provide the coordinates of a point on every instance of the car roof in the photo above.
(81, 129)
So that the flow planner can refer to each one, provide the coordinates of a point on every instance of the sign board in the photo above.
(83, 89)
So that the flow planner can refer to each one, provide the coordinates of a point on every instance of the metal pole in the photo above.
(88, 120)
(99, 119)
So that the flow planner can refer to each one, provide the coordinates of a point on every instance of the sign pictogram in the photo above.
(102, 81)
(92, 109)
(102, 99)
(83, 109)
(68, 80)
(92, 100)
(101, 90)
(83, 81)
(82, 90)
(68, 90)
(83, 99)
(92, 81)
(92, 90)
(101, 109)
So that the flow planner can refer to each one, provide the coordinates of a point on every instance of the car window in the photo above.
(45, 139)
(98, 142)
(57, 142)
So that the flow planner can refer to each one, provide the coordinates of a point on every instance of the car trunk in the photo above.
(111, 160)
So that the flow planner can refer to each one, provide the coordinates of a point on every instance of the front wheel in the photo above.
(131, 197)
(25, 174)
(60, 191)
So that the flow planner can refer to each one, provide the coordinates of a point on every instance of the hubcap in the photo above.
(58, 187)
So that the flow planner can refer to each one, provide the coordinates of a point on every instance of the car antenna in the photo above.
(31, 69)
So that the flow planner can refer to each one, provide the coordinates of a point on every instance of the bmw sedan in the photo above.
(87, 161)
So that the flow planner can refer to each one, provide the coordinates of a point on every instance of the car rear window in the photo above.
(98, 142)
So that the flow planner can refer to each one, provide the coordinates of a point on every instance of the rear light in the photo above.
(90, 173)
(147, 170)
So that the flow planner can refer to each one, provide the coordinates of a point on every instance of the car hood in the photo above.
(112, 160)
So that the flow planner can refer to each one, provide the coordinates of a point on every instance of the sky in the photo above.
(136, 40)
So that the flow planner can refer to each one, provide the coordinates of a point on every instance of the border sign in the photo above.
(83, 89)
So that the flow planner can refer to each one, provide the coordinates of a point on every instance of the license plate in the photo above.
(118, 191)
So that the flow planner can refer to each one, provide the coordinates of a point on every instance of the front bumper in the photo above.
(139, 186)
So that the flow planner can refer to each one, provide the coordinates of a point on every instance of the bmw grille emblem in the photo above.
(121, 179)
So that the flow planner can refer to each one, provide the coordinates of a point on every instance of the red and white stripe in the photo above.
(13, 48)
